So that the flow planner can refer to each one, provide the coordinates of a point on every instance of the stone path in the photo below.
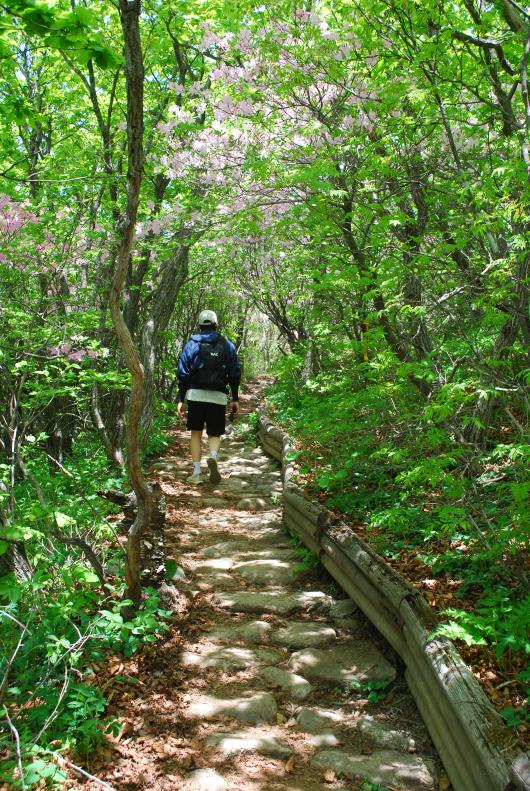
(284, 665)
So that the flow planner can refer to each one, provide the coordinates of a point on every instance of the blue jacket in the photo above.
(190, 358)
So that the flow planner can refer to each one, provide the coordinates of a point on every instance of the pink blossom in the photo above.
(244, 42)
(245, 107)
(78, 355)
(209, 39)
(301, 14)
(13, 217)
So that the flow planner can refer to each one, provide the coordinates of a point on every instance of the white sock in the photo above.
(213, 454)
(196, 468)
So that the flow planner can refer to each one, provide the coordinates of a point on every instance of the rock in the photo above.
(227, 549)
(207, 780)
(166, 465)
(242, 742)
(351, 623)
(246, 464)
(212, 502)
(380, 734)
(300, 634)
(230, 659)
(209, 580)
(295, 686)
(179, 574)
(276, 602)
(233, 485)
(319, 720)
(275, 553)
(343, 608)
(339, 665)
(215, 564)
(260, 707)
(247, 632)
(267, 571)
(323, 740)
(385, 767)
(251, 504)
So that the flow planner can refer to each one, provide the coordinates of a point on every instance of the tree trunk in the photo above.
(172, 276)
(14, 559)
(134, 76)
(475, 432)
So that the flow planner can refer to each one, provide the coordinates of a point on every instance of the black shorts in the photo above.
(201, 412)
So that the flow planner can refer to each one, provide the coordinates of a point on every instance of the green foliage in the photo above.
(308, 559)
(498, 620)
(352, 198)
(55, 627)
(369, 447)
(158, 437)
(375, 691)
(67, 30)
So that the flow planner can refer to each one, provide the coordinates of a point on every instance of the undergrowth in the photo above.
(58, 628)
(376, 454)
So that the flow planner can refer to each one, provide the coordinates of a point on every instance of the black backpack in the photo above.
(211, 369)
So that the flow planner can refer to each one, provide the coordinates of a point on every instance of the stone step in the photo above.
(275, 602)
(299, 634)
(343, 665)
(250, 741)
(259, 707)
(230, 659)
(290, 684)
(384, 767)
(283, 651)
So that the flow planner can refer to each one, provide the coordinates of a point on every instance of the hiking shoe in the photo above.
(214, 472)
(196, 478)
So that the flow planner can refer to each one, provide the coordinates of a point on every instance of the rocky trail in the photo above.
(268, 678)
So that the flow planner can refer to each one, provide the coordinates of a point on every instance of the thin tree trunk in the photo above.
(14, 559)
(475, 432)
(173, 275)
(134, 76)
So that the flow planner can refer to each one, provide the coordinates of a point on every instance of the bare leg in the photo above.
(214, 443)
(195, 445)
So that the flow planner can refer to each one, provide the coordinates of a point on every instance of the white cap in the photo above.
(207, 317)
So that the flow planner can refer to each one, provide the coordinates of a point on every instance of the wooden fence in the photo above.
(472, 740)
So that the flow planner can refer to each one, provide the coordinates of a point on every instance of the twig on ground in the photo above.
(61, 759)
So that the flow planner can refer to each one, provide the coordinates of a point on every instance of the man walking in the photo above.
(208, 364)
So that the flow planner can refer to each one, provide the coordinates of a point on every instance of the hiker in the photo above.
(207, 364)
